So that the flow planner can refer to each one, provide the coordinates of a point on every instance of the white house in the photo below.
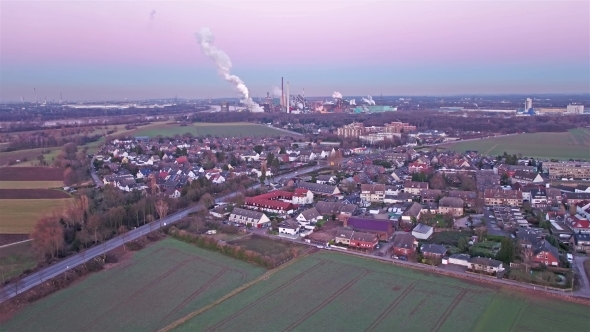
(250, 156)
(289, 227)
(249, 218)
(302, 196)
(217, 179)
(309, 216)
(259, 173)
(422, 232)
(326, 179)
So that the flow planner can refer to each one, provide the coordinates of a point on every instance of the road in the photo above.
(56, 269)
(94, 176)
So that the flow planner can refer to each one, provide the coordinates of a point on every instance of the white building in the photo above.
(249, 218)
(422, 232)
(575, 109)
(289, 227)
(302, 196)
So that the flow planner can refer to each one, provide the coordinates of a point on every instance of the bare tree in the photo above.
(527, 257)
(207, 200)
(162, 208)
(47, 237)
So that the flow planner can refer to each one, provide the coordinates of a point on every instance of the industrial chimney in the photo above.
(288, 100)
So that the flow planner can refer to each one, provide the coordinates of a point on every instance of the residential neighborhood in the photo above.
(429, 206)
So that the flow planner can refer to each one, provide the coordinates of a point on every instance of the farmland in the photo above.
(204, 129)
(30, 184)
(31, 174)
(19, 216)
(574, 144)
(32, 194)
(15, 259)
(336, 292)
(154, 287)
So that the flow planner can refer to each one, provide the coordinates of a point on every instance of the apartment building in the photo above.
(575, 170)
(503, 197)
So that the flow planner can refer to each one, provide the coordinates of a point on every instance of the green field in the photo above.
(156, 286)
(574, 144)
(19, 216)
(31, 184)
(335, 292)
(16, 258)
(235, 129)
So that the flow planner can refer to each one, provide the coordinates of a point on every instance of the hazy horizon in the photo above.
(105, 50)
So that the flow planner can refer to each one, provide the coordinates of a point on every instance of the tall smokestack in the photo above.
(288, 99)
(282, 93)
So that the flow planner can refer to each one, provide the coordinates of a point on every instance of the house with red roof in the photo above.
(277, 201)
(181, 160)
(579, 224)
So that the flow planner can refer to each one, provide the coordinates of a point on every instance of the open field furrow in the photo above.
(76, 294)
(268, 295)
(197, 292)
(141, 290)
(392, 306)
(450, 309)
(326, 301)
(229, 268)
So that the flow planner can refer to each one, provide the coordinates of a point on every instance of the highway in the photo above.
(56, 269)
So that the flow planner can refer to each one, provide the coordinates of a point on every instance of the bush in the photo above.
(133, 246)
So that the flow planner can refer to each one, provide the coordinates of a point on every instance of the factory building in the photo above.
(575, 109)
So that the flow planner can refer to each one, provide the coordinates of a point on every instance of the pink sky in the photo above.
(297, 33)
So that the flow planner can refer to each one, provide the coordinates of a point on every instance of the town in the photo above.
(505, 216)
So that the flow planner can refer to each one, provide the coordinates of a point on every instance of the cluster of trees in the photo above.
(49, 138)
(442, 182)
(74, 162)
(94, 217)
(234, 251)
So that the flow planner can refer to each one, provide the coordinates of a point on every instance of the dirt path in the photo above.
(490, 149)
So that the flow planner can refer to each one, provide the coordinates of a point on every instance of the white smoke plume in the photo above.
(337, 95)
(369, 100)
(276, 91)
(153, 15)
(205, 38)
(352, 102)
(300, 106)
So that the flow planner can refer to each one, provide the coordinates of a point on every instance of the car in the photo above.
(403, 258)
(380, 254)
(321, 247)
(377, 246)
(570, 258)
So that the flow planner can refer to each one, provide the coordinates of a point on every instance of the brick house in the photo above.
(404, 245)
(433, 251)
(546, 254)
(362, 240)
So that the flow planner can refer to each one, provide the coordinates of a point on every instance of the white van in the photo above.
(570, 258)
